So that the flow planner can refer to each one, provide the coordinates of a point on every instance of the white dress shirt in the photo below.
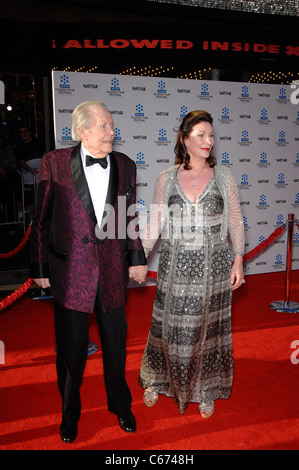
(97, 180)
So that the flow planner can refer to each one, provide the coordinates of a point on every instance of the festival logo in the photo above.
(204, 94)
(296, 201)
(245, 141)
(281, 141)
(225, 159)
(262, 203)
(65, 139)
(278, 264)
(263, 160)
(244, 182)
(279, 221)
(282, 96)
(281, 182)
(118, 141)
(140, 161)
(139, 115)
(244, 97)
(225, 116)
(264, 119)
(64, 87)
(162, 138)
(115, 89)
(161, 90)
(296, 162)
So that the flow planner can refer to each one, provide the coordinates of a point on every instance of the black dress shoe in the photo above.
(68, 433)
(127, 422)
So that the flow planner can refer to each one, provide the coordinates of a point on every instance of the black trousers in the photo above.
(71, 329)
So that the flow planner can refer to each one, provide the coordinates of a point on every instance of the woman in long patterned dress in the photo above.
(189, 352)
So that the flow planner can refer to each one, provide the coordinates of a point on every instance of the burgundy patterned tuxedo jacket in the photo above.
(65, 245)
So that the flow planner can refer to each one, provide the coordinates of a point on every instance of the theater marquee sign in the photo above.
(178, 44)
(205, 50)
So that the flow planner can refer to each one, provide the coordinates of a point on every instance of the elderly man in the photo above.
(82, 192)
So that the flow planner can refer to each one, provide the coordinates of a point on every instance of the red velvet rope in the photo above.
(21, 245)
(151, 274)
(250, 254)
(16, 294)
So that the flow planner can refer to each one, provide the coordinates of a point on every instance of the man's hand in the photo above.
(43, 282)
(138, 273)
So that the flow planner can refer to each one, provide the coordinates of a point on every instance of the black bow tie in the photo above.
(102, 161)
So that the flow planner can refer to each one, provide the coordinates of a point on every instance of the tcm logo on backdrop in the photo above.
(281, 182)
(282, 96)
(118, 138)
(225, 116)
(246, 225)
(161, 90)
(114, 89)
(244, 182)
(263, 160)
(182, 113)
(245, 141)
(141, 205)
(278, 264)
(262, 203)
(66, 137)
(139, 115)
(281, 141)
(225, 159)
(296, 122)
(64, 87)
(204, 94)
(162, 138)
(140, 161)
(264, 119)
(279, 221)
(244, 96)
(296, 201)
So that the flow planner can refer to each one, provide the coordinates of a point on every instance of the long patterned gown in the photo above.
(189, 352)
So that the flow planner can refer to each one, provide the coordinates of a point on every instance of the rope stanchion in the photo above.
(151, 274)
(287, 306)
(19, 248)
(16, 294)
(250, 254)
(265, 243)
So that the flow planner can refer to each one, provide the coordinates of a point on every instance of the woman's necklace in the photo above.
(194, 179)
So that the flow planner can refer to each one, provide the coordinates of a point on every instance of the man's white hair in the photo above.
(83, 116)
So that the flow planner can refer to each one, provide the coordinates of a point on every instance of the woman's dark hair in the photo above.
(190, 120)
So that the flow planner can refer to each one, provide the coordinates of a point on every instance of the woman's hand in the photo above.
(237, 273)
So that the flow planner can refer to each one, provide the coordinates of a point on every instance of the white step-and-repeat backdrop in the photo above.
(257, 136)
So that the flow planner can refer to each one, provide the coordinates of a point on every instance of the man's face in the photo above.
(99, 137)
(25, 134)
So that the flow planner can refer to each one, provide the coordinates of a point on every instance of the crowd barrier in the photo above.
(282, 306)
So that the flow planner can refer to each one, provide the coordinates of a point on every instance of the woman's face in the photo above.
(200, 141)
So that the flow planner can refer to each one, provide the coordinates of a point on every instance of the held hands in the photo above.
(138, 273)
(44, 283)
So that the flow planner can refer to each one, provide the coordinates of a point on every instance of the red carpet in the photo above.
(262, 413)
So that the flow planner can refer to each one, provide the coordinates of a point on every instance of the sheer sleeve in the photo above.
(158, 214)
(235, 221)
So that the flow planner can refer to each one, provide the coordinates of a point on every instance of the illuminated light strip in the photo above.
(149, 71)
